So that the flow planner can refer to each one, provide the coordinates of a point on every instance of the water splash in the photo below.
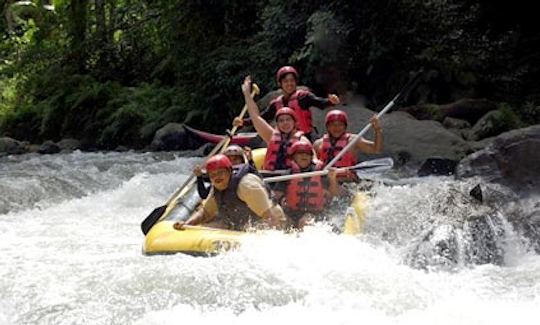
(73, 258)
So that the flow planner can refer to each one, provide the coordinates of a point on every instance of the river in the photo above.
(71, 254)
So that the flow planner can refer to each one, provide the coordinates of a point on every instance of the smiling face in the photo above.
(336, 128)
(285, 123)
(288, 84)
(303, 159)
(220, 178)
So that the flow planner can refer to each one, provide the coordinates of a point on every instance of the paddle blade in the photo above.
(152, 218)
(380, 163)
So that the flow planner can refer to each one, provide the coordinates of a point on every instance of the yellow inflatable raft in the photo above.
(200, 240)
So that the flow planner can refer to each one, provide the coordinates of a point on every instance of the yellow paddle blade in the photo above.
(355, 216)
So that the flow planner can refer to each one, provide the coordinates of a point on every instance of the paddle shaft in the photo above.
(388, 106)
(366, 164)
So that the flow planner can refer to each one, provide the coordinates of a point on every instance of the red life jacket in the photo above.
(276, 151)
(305, 194)
(327, 152)
(304, 122)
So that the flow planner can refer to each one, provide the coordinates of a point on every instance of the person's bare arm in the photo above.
(200, 216)
(264, 129)
(333, 186)
(275, 217)
(375, 146)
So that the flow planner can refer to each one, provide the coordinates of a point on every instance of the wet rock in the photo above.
(467, 228)
(438, 249)
(491, 124)
(69, 144)
(449, 245)
(483, 233)
(121, 149)
(11, 146)
(33, 148)
(468, 109)
(48, 147)
(454, 123)
(531, 229)
(416, 141)
(438, 166)
(173, 136)
(512, 159)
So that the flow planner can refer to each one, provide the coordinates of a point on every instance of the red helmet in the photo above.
(336, 115)
(234, 150)
(217, 162)
(287, 111)
(301, 146)
(283, 71)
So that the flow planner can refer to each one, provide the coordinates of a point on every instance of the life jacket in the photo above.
(305, 194)
(304, 122)
(328, 151)
(276, 152)
(233, 211)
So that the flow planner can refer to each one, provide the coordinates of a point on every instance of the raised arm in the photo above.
(264, 129)
(375, 146)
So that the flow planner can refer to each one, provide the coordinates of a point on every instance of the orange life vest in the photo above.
(305, 194)
(304, 122)
(276, 152)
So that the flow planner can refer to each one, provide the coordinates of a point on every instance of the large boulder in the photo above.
(411, 142)
(174, 136)
(48, 147)
(511, 159)
(492, 124)
(69, 144)
(11, 146)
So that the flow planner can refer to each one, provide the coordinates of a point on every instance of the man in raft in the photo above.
(306, 197)
(239, 199)
(337, 137)
(236, 155)
(277, 139)
(299, 100)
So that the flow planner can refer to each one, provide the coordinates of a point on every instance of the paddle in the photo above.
(406, 89)
(378, 165)
(162, 211)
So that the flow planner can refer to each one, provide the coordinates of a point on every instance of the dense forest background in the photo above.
(111, 72)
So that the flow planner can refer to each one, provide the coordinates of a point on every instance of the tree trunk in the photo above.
(77, 20)
(101, 22)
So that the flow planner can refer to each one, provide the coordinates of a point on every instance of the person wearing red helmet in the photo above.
(239, 198)
(302, 198)
(277, 139)
(236, 154)
(299, 100)
(337, 137)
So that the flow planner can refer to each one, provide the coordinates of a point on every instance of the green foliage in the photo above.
(115, 74)
(529, 113)
(507, 119)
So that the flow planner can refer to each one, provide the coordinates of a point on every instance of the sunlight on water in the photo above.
(74, 257)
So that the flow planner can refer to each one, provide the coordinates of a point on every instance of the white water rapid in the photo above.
(71, 254)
